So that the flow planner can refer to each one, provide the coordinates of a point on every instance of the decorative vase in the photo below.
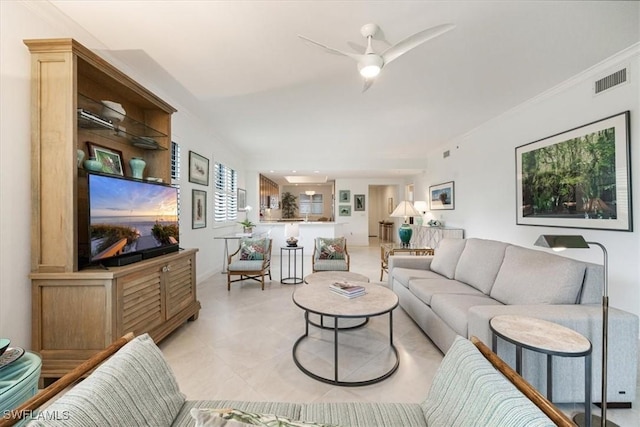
(91, 164)
(137, 167)
(80, 157)
(405, 231)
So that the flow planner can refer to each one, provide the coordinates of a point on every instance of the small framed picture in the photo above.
(110, 158)
(344, 210)
(344, 196)
(358, 202)
(199, 209)
(198, 169)
(242, 200)
(390, 206)
(442, 196)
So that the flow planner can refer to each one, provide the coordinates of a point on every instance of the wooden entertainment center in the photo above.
(76, 311)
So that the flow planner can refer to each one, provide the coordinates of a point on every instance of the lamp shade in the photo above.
(404, 210)
(559, 242)
(291, 229)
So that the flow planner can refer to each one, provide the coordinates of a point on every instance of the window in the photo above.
(175, 169)
(311, 204)
(225, 201)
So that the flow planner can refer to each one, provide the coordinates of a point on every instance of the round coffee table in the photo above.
(317, 298)
(335, 276)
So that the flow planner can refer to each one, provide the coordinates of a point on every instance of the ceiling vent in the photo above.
(610, 81)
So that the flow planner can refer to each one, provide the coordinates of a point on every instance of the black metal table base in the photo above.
(336, 328)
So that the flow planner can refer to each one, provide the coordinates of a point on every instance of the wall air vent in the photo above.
(610, 81)
(445, 154)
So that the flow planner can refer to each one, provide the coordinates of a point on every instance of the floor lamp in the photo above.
(558, 243)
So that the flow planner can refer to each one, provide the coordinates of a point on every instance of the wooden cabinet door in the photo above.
(140, 306)
(180, 285)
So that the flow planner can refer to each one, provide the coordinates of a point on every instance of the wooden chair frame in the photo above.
(31, 405)
(257, 275)
(315, 249)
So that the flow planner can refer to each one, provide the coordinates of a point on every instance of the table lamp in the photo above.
(562, 242)
(404, 210)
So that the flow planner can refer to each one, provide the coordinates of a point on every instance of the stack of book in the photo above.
(347, 289)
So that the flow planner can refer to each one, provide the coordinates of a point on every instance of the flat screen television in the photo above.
(130, 220)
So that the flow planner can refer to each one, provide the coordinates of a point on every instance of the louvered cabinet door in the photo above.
(140, 306)
(179, 276)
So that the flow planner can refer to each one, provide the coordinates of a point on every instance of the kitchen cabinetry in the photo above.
(77, 312)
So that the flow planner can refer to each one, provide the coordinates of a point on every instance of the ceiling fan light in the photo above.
(370, 66)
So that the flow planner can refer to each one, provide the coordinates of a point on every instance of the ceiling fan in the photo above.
(370, 63)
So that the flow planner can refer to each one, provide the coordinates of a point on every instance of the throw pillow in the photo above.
(331, 248)
(253, 249)
(228, 417)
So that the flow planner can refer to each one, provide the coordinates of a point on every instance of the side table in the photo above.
(19, 382)
(547, 338)
(290, 279)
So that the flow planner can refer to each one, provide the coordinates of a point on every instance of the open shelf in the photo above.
(91, 116)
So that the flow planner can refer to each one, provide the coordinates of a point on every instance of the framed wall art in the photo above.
(579, 178)
(344, 210)
(344, 196)
(199, 209)
(110, 158)
(358, 202)
(442, 196)
(390, 206)
(198, 169)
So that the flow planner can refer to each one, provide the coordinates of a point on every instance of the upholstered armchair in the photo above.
(330, 254)
(251, 261)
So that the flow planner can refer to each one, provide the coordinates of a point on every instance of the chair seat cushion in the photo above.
(255, 265)
(330, 265)
(365, 414)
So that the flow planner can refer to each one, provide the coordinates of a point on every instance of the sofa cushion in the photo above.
(253, 249)
(285, 409)
(534, 277)
(404, 275)
(331, 248)
(468, 391)
(453, 309)
(446, 257)
(361, 414)
(206, 417)
(134, 387)
(480, 262)
(424, 289)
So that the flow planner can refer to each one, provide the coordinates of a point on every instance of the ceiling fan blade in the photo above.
(330, 49)
(415, 40)
(367, 83)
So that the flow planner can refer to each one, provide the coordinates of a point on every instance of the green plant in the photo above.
(289, 205)
(247, 223)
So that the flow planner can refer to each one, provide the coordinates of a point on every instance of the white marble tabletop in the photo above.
(318, 298)
(540, 334)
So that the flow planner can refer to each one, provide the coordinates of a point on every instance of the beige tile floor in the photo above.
(240, 348)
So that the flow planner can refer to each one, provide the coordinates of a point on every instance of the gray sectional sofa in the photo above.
(468, 281)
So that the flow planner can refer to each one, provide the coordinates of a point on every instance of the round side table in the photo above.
(292, 278)
(19, 381)
(547, 338)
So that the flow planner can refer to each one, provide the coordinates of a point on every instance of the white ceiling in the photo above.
(289, 105)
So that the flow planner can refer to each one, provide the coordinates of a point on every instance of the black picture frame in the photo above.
(198, 209)
(358, 202)
(580, 178)
(198, 169)
(442, 197)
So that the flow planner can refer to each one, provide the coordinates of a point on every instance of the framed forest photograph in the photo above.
(579, 178)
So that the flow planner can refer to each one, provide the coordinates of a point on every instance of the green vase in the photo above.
(405, 231)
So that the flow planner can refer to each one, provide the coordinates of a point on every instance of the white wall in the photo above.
(18, 21)
(482, 164)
